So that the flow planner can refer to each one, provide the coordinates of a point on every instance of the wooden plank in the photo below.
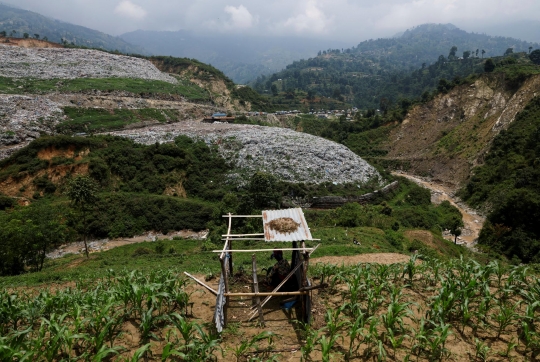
(254, 250)
(256, 289)
(201, 283)
(261, 239)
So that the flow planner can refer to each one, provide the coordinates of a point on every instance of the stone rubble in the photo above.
(57, 63)
(289, 155)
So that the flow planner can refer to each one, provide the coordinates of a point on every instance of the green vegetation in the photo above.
(395, 312)
(87, 322)
(379, 74)
(98, 119)
(144, 88)
(507, 185)
(369, 310)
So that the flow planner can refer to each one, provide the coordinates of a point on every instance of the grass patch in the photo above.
(183, 88)
(99, 119)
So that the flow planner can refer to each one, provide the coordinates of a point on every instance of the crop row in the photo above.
(90, 322)
(403, 310)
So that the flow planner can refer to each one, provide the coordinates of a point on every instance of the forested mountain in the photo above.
(17, 22)
(241, 57)
(379, 72)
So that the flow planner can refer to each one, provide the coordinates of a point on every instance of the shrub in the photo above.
(160, 247)
(142, 251)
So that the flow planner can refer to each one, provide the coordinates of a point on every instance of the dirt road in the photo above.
(472, 220)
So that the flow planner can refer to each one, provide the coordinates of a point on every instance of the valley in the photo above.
(112, 188)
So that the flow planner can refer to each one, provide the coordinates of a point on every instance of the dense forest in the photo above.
(378, 73)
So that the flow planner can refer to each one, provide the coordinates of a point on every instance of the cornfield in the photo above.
(91, 321)
(430, 310)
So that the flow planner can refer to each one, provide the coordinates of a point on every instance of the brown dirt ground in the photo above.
(379, 258)
(29, 43)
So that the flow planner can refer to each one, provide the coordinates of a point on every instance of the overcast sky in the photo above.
(346, 20)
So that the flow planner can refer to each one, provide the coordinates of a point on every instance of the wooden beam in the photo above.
(201, 283)
(242, 216)
(238, 235)
(254, 250)
(262, 294)
(226, 241)
(228, 238)
(313, 249)
(275, 290)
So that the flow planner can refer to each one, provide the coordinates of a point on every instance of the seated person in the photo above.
(279, 271)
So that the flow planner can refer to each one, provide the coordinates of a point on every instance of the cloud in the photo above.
(241, 18)
(310, 20)
(130, 10)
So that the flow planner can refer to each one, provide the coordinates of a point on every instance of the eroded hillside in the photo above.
(448, 136)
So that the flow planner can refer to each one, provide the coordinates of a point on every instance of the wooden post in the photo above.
(226, 283)
(230, 245)
(303, 280)
(230, 258)
(256, 299)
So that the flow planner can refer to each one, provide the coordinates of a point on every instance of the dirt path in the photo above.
(106, 244)
(472, 220)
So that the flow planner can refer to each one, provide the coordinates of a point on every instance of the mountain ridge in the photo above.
(24, 21)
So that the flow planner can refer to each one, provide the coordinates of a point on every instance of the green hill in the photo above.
(23, 21)
(380, 72)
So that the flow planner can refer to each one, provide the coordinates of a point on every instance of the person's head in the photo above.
(278, 254)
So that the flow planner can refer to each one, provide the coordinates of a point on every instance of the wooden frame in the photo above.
(226, 261)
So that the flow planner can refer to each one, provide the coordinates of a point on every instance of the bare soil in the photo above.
(379, 258)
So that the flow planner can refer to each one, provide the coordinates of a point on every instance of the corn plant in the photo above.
(327, 343)
(482, 350)
(245, 346)
(312, 336)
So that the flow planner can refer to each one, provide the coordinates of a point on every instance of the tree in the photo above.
(26, 35)
(483, 52)
(453, 51)
(456, 223)
(82, 193)
(535, 56)
(477, 53)
(489, 66)
(13, 32)
(3, 33)
(530, 48)
(509, 51)
(36, 36)
(262, 189)
(274, 90)
(466, 54)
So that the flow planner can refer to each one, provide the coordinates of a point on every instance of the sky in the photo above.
(345, 20)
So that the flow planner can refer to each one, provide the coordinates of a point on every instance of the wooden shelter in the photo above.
(287, 225)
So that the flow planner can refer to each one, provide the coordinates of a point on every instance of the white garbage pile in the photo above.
(58, 63)
(24, 118)
(289, 155)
